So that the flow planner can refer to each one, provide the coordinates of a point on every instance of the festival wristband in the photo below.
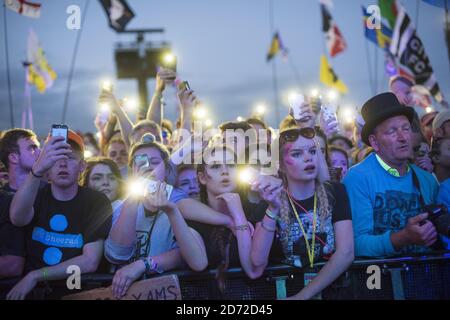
(35, 175)
(271, 215)
(267, 228)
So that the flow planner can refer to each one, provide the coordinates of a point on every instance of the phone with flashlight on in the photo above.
(60, 130)
(296, 102)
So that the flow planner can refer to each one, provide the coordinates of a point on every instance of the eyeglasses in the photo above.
(293, 134)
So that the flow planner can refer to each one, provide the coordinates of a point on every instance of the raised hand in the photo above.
(54, 149)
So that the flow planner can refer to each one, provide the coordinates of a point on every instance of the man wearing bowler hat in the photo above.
(387, 193)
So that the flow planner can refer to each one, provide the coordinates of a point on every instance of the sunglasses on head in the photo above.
(293, 134)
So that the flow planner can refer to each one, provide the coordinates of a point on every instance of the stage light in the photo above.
(240, 119)
(208, 122)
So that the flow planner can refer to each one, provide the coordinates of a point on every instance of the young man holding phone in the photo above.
(66, 224)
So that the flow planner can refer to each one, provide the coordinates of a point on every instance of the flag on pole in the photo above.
(25, 8)
(333, 36)
(40, 73)
(381, 37)
(118, 12)
(389, 11)
(392, 68)
(329, 78)
(407, 47)
(275, 47)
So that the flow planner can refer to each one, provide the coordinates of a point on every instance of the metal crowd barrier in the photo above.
(411, 278)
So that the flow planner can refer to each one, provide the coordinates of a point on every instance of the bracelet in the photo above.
(266, 228)
(271, 215)
(35, 175)
(158, 95)
(243, 227)
(45, 274)
(151, 266)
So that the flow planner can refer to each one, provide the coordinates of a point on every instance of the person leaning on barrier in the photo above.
(387, 194)
(150, 236)
(66, 223)
(310, 216)
(19, 150)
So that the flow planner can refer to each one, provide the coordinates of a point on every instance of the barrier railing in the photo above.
(414, 277)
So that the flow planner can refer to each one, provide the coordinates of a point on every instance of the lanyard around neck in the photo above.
(309, 249)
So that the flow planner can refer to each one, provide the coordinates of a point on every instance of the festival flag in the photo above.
(389, 11)
(334, 39)
(407, 47)
(275, 47)
(329, 77)
(25, 8)
(381, 37)
(40, 73)
(392, 68)
(118, 12)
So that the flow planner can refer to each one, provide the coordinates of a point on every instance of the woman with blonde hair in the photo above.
(310, 215)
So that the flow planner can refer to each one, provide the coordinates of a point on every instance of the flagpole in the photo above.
(8, 76)
(417, 14)
(376, 69)
(274, 68)
(72, 64)
(295, 70)
(369, 67)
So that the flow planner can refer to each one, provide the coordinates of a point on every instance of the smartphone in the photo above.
(141, 161)
(184, 86)
(152, 185)
(60, 130)
(295, 102)
(170, 64)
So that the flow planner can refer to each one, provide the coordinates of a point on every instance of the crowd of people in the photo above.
(141, 199)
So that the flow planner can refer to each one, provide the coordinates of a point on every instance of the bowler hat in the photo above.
(380, 108)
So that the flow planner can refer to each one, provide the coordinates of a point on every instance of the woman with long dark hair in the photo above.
(310, 215)
(226, 248)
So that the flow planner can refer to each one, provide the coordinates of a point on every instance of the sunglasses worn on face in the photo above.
(293, 134)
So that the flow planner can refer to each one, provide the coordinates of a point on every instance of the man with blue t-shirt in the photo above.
(387, 193)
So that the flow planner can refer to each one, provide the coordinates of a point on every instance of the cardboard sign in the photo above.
(161, 288)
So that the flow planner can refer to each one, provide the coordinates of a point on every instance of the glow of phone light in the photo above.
(240, 119)
(169, 58)
(315, 93)
(130, 104)
(348, 115)
(88, 154)
(428, 109)
(200, 113)
(107, 85)
(261, 109)
(136, 188)
(104, 107)
(246, 176)
(332, 95)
